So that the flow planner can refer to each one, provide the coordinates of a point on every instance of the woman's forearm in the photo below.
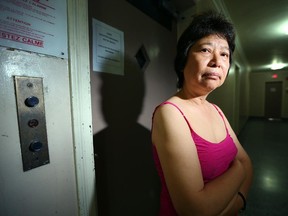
(249, 176)
(237, 203)
(232, 207)
(223, 190)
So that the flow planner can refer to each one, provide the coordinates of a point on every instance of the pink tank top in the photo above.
(215, 159)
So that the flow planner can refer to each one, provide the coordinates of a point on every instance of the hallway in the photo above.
(267, 144)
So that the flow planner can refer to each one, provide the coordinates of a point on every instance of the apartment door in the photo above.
(273, 99)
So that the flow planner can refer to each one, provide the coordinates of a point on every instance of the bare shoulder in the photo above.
(164, 116)
(167, 109)
(217, 107)
(171, 133)
(222, 113)
(168, 114)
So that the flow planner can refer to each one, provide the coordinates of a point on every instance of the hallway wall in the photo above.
(257, 88)
(160, 43)
(126, 179)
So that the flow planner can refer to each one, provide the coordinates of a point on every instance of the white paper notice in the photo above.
(34, 25)
(108, 49)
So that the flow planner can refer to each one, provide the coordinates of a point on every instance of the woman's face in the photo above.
(207, 64)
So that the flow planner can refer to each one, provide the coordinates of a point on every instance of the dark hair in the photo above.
(202, 25)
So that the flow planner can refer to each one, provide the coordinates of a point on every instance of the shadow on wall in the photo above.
(127, 181)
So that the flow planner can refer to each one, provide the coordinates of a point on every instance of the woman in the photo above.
(203, 168)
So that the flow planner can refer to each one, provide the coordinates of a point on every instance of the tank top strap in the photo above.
(167, 102)
(220, 113)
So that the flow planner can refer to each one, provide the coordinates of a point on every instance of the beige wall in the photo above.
(159, 79)
(257, 94)
(127, 183)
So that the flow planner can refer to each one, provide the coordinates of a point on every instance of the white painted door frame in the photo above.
(79, 67)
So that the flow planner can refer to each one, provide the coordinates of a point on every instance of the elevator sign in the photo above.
(108, 48)
(34, 25)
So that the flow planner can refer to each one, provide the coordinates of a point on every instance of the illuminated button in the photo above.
(35, 146)
(31, 101)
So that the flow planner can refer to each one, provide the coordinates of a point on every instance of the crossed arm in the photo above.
(181, 167)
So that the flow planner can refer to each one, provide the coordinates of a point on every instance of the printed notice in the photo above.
(34, 25)
(108, 49)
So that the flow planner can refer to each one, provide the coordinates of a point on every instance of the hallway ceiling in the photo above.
(262, 29)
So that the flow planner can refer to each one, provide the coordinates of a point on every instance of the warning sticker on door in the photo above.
(34, 25)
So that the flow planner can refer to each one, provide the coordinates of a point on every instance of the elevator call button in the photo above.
(31, 101)
(31, 121)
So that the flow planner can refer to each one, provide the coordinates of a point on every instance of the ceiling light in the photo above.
(277, 66)
(283, 28)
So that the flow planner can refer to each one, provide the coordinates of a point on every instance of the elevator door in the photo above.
(273, 99)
